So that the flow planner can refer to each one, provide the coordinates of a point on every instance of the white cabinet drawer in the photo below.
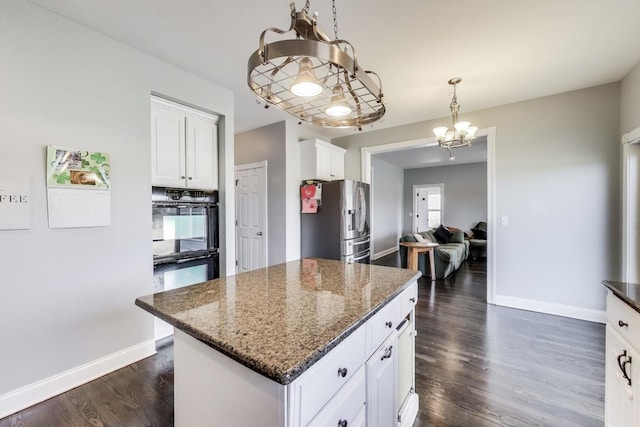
(314, 388)
(408, 299)
(623, 319)
(346, 405)
(380, 326)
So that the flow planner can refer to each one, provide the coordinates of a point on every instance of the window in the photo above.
(428, 202)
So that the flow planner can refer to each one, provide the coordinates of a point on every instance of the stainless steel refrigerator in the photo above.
(340, 229)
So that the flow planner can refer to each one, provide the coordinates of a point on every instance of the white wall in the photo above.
(557, 179)
(386, 206)
(68, 294)
(630, 101)
(465, 193)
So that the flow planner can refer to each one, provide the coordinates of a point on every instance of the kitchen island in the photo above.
(308, 342)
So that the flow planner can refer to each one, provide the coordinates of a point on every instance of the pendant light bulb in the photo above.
(338, 105)
(306, 83)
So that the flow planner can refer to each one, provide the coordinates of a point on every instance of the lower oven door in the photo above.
(363, 257)
(185, 272)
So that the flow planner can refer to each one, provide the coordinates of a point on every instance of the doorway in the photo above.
(631, 206)
(251, 216)
(490, 134)
(427, 206)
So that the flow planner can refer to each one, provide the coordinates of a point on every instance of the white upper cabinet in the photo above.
(184, 147)
(321, 161)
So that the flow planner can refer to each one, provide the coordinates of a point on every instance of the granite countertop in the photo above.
(627, 292)
(280, 320)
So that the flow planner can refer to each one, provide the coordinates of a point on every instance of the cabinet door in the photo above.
(621, 387)
(337, 165)
(381, 385)
(202, 154)
(323, 163)
(167, 148)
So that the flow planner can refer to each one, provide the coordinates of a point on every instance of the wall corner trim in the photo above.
(573, 312)
(47, 388)
(632, 137)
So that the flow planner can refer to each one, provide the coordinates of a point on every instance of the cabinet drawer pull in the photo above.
(623, 365)
(412, 299)
(342, 423)
(342, 372)
(190, 177)
(387, 353)
(389, 324)
(622, 324)
(182, 177)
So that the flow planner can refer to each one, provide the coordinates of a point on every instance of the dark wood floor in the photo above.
(483, 365)
(476, 365)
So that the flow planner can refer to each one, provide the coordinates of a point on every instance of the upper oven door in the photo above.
(180, 229)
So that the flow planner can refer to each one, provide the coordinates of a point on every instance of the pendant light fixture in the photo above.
(314, 78)
(462, 133)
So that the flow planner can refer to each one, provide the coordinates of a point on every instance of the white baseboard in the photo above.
(552, 308)
(384, 253)
(39, 391)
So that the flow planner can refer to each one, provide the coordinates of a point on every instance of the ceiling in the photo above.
(423, 157)
(505, 50)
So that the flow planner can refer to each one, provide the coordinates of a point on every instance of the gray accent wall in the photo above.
(278, 145)
(386, 223)
(269, 143)
(630, 101)
(68, 294)
(557, 166)
(465, 193)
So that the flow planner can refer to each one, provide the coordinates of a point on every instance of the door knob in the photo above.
(259, 233)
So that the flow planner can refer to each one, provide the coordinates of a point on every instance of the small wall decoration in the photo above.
(78, 188)
(15, 203)
(311, 196)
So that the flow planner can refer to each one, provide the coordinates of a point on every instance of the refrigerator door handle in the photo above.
(362, 257)
(363, 209)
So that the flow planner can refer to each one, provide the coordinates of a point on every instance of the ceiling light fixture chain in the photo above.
(302, 76)
(335, 19)
(462, 133)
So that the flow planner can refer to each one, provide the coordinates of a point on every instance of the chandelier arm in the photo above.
(338, 42)
(355, 97)
(380, 95)
(262, 49)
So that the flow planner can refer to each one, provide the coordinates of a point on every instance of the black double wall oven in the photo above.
(185, 237)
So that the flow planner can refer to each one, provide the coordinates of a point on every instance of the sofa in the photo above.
(478, 241)
(448, 256)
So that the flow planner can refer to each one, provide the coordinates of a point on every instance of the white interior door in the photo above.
(251, 216)
(427, 206)
(631, 212)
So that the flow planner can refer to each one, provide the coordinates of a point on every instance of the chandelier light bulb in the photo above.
(337, 107)
(471, 132)
(440, 132)
(306, 83)
(462, 127)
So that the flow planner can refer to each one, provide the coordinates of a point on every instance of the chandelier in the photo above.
(462, 133)
(314, 78)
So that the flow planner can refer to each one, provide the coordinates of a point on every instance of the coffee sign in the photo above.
(15, 203)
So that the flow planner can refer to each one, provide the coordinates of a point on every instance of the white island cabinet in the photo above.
(622, 371)
(339, 353)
